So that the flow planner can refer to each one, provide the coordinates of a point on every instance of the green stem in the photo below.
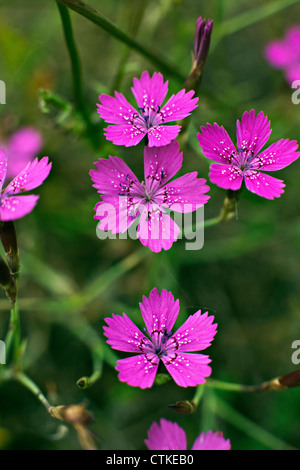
(232, 387)
(33, 388)
(13, 335)
(203, 224)
(76, 69)
(198, 395)
(95, 17)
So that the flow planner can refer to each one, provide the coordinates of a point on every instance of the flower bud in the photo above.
(184, 407)
(202, 41)
(290, 380)
(83, 383)
(9, 241)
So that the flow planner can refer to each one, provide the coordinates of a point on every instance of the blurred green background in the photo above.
(247, 273)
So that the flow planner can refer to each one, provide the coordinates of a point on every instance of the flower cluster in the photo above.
(124, 199)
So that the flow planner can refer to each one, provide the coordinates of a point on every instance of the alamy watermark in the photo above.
(2, 92)
(2, 352)
(155, 225)
(296, 354)
(296, 95)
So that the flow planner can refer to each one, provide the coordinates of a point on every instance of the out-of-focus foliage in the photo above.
(247, 273)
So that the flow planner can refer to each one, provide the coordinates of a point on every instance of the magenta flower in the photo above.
(159, 313)
(130, 126)
(284, 54)
(245, 162)
(124, 198)
(21, 148)
(14, 207)
(170, 436)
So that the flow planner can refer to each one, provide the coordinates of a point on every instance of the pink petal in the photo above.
(122, 333)
(113, 177)
(115, 110)
(252, 132)
(185, 194)
(15, 207)
(216, 143)
(156, 229)
(196, 333)
(149, 91)
(159, 311)
(161, 164)
(166, 436)
(3, 167)
(22, 148)
(138, 371)
(30, 177)
(162, 135)
(263, 185)
(278, 54)
(179, 106)
(277, 156)
(293, 40)
(127, 135)
(116, 213)
(187, 370)
(211, 441)
(226, 176)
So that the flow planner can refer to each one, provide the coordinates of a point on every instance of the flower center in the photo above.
(148, 117)
(161, 343)
(242, 159)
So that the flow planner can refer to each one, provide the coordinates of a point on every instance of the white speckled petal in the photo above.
(187, 369)
(252, 132)
(277, 156)
(138, 371)
(161, 164)
(196, 333)
(159, 311)
(263, 185)
(31, 177)
(122, 333)
(15, 207)
(226, 176)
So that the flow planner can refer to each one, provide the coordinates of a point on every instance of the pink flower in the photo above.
(125, 198)
(245, 162)
(130, 126)
(285, 53)
(14, 207)
(170, 436)
(21, 148)
(159, 313)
